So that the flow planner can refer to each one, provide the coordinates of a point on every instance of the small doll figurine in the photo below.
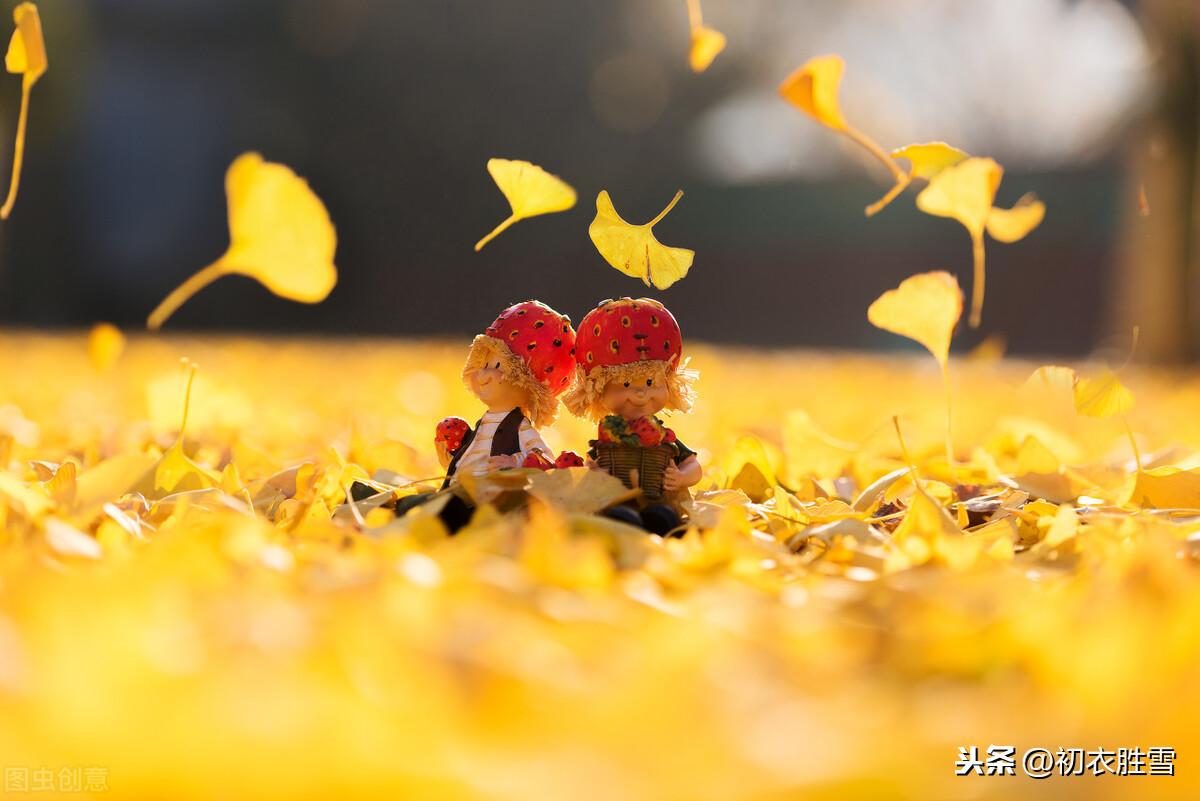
(628, 354)
(517, 367)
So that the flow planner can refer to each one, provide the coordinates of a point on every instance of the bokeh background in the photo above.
(391, 108)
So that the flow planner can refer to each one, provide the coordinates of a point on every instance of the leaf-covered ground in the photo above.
(228, 638)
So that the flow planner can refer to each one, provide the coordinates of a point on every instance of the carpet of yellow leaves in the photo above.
(227, 638)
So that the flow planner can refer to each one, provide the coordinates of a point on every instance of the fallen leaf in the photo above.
(633, 249)
(105, 344)
(529, 190)
(1103, 396)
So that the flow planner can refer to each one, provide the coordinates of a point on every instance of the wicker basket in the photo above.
(621, 460)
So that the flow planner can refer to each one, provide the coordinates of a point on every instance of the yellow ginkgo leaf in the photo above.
(1011, 225)
(813, 88)
(926, 160)
(26, 56)
(633, 250)
(529, 190)
(706, 45)
(924, 308)
(965, 193)
(280, 235)
(104, 345)
(1103, 396)
(174, 468)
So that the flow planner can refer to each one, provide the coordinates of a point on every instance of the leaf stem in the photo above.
(875, 150)
(980, 279)
(182, 293)
(949, 428)
(665, 211)
(18, 152)
(495, 232)
(1137, 456)
(695, 20)
(878, 205)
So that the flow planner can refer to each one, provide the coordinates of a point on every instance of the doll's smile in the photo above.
(635, 398)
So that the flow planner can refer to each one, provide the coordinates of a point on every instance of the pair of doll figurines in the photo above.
(623, 367)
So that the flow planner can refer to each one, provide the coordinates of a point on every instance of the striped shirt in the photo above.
(475, 459)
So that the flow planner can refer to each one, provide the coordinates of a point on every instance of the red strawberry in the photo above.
(569, 459)
(648, 432)
(669, 435)
(450, 432)
(536, 459)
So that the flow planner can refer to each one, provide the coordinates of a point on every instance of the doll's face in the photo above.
(492, 387)
(638, 397)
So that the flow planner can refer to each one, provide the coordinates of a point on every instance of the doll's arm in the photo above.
(686, 474)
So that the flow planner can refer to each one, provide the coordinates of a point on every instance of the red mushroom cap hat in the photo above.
(626, 338)
(535, 346)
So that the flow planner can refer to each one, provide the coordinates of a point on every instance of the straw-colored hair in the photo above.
(541, 406)
(585, 397)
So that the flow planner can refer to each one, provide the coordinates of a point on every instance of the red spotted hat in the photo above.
(622, 337)
(535, 346)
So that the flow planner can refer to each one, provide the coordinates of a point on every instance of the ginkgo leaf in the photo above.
(633, 250)
(105, 344)
(26, 56)
(280, 234)
(926, 160)
(965, 192)
(174, 468)
(813, 88)
(1011, 225)
(529, 190)
(1103, 396)
(925, 308)
(706, 45)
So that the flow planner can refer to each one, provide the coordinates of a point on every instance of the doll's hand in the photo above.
(503, 462)
(672, 478)
(677, 477)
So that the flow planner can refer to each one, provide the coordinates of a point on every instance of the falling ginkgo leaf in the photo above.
(965, 192)
(813, 88)
(26, 56)
(633, 250)
(707, 43)
(926, 160)
(925, 308)
(529, 190)
(1011, 225)
(280, 235)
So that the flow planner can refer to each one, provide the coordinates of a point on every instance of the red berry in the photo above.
(568, 459)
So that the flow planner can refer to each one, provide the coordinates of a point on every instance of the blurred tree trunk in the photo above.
(1158, 279)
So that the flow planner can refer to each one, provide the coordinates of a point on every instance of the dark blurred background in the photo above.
(391, 108)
